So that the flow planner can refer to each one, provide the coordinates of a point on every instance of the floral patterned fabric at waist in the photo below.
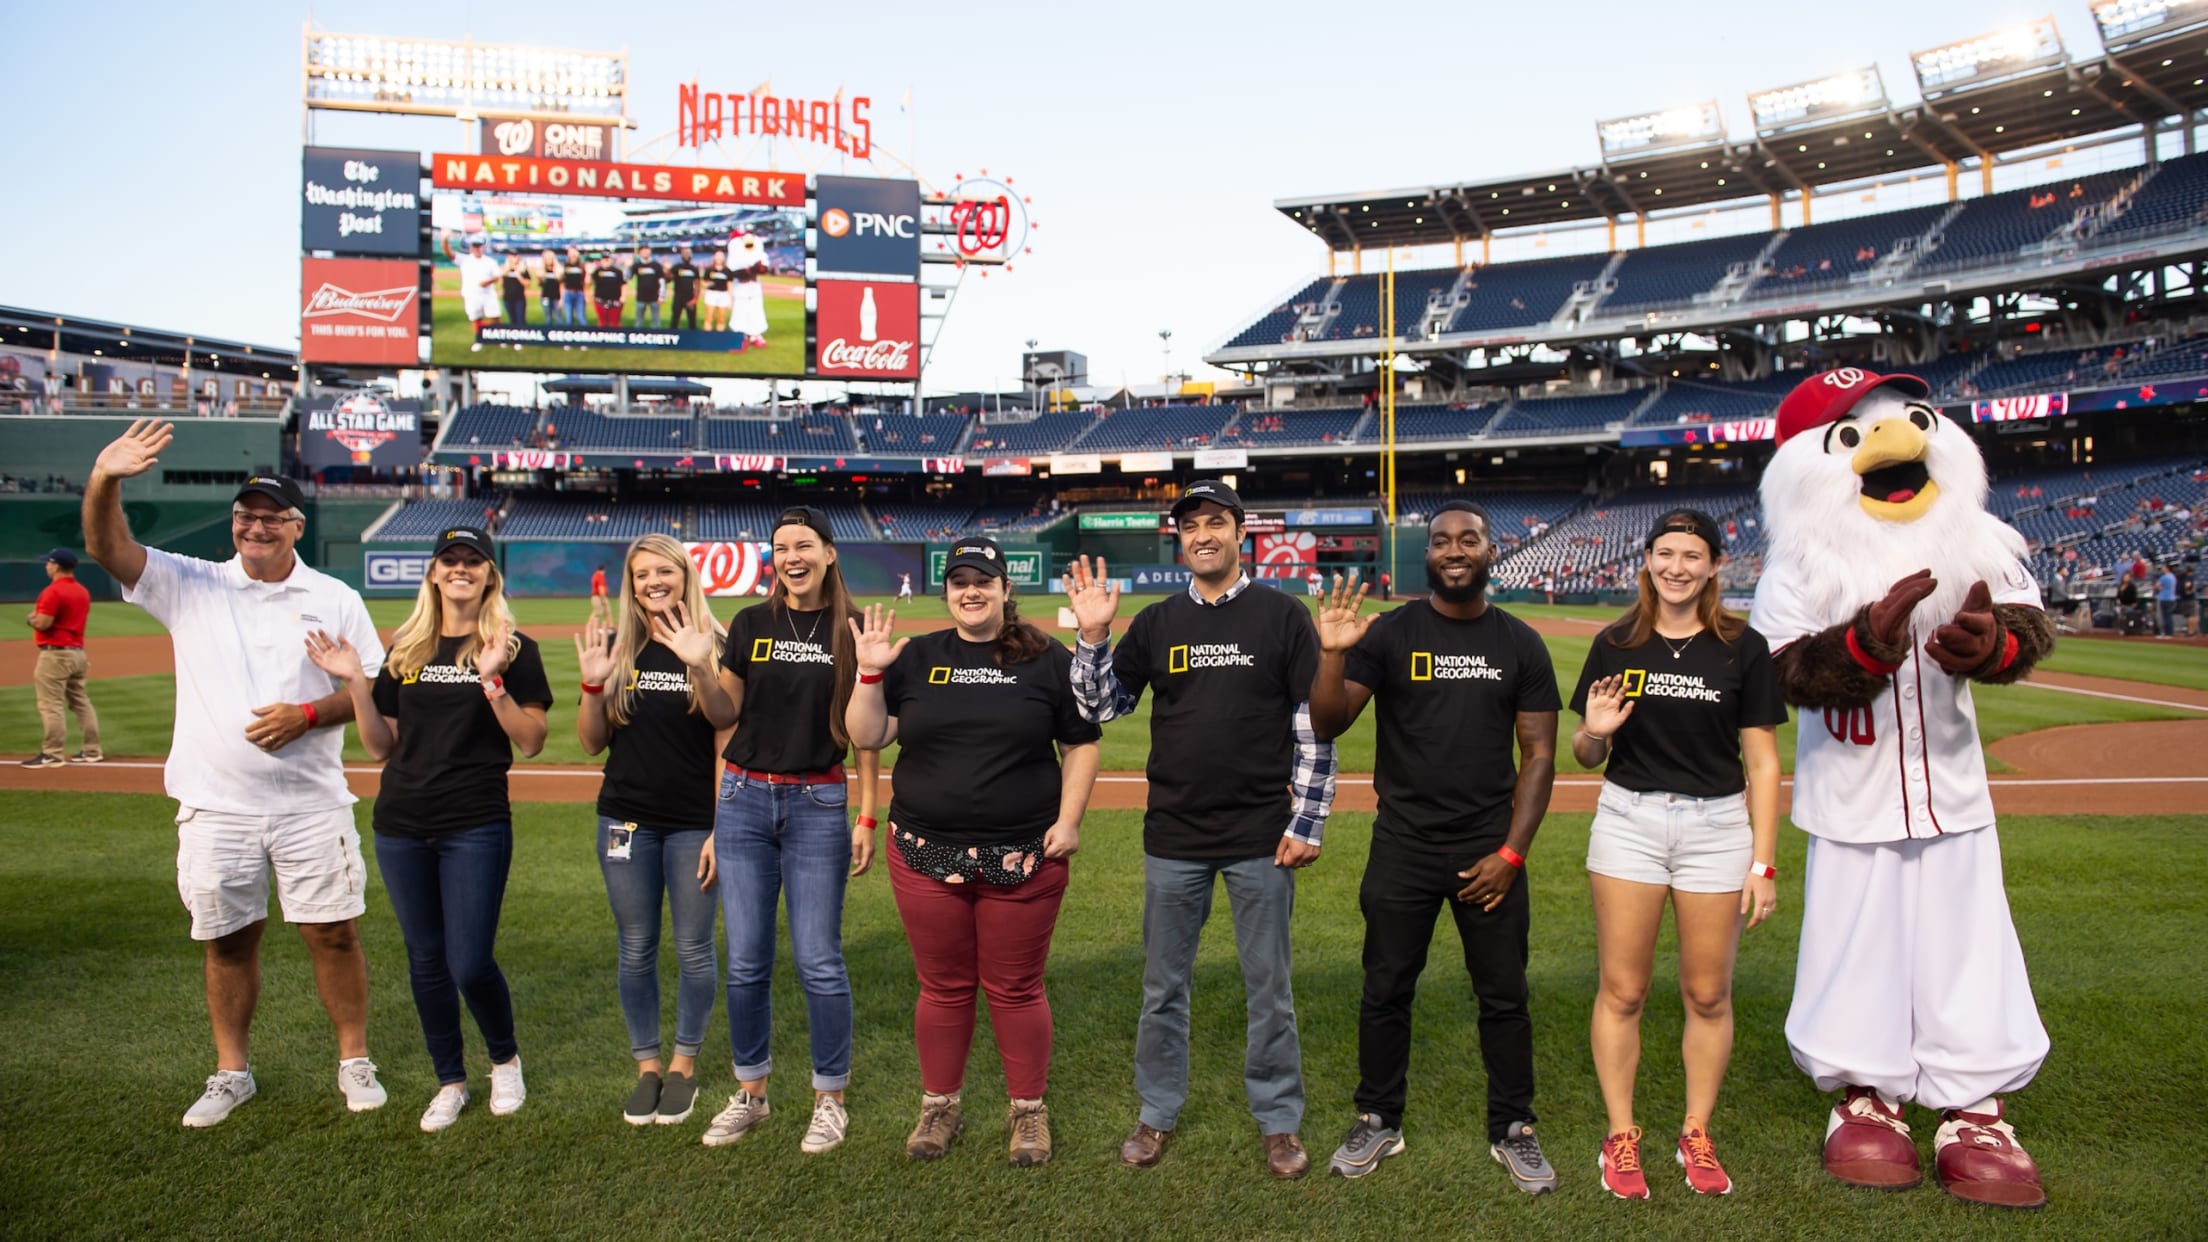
(1005, 865)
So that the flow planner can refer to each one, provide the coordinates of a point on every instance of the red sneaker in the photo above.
(1621, 1165)
(1699, 1158)
(1978, 1161)
(1868, 1144)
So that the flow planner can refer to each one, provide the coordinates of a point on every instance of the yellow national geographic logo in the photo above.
(634, 673)
(1422, 666)
(411, 678)
(940, 675)
(454, 534)
(1635, 678)
(761, 649)
(1176, 659)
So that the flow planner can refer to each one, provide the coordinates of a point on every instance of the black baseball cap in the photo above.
(809, 517)
(277, 488)
(975, 553)
(62, 557)
(1208, 489)
(467, 537)
(1688, 522)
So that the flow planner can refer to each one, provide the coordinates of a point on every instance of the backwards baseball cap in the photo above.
(808, 517)
(62, 558)
(466, 537)
(976, 553)
(1208, 489)
(1824, 399)
(276, 487)
(1688, 522)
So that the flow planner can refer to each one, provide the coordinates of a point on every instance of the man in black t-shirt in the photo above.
(647, 271)
(1458, 680)
(684, 277)
(607, 285)
(1240, 787)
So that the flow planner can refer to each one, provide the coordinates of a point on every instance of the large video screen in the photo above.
(573, 284)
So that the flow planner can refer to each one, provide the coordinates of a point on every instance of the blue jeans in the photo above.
(446, 891)
(571, 308)
(661, 861)
(647, 311)
(551, 311)
(768, 841)
(1176, 902)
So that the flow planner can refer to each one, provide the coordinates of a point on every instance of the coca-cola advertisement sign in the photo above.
(867, 329)
(360, 310)
(733, 569)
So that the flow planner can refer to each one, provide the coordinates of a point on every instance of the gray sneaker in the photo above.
(744, 1111)
(1369, 1143)
(226, 1089)
(1520, 1153)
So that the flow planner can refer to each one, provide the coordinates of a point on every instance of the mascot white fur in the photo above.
(747, 257)
(1887, 589)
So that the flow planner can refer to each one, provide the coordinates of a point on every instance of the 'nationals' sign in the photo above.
(520, 173)
(360, 310)
(707, 116)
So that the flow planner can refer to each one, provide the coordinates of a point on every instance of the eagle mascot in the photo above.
(1887, 590)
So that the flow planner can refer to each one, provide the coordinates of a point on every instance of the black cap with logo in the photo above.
(1688, 522)
(276, 487)
(1212, 490)
(808, 517)
(467, 537)
(63, 559)
(976, 553)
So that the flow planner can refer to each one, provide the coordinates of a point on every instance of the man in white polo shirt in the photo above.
(254, 765)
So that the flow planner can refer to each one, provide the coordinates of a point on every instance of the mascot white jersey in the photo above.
(1887, 590)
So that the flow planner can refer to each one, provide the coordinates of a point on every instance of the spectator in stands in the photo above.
(461, 692)
(259, 786)
(1673, 822)
(651, 699)
(2165, 601)
(57, 623)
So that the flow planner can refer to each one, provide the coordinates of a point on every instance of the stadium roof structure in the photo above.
(75, 334)
(1981, 99)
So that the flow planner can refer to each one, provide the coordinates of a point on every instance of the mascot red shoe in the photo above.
(1887, 590)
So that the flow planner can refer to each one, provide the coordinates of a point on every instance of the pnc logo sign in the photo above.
(834, 222)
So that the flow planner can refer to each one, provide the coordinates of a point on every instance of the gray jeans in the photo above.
(1176, 903)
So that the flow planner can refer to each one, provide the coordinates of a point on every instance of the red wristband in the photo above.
(1765, 870)
(591, 689)
(493, 686)
(307, 710)
(1873, 666)
(868, 679)
(2008, 650)
(1511, 856)
(866, 821)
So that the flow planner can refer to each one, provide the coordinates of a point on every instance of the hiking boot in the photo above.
(226, 1089)
(1029, 1122)
(643, 1106)
(941, 1120)
(1520, 1153)
(1144, 1147)
(1370, 1141)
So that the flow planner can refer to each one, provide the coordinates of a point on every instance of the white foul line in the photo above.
(2103, 694)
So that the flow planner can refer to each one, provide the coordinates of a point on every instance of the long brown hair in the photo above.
(836, 598)
(632, 629)
(1017, 641)
(1639, 622)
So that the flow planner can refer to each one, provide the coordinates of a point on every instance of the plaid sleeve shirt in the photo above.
(1100, 697)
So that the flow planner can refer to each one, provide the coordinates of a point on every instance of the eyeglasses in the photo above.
(248, 519)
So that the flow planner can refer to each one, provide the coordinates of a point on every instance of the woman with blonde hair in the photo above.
(651, 698)
(458, 694)
(1680, 706)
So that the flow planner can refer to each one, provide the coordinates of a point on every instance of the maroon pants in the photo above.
(968, 934)
(609, 314)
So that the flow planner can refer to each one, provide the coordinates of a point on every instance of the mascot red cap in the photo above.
(1828, 397)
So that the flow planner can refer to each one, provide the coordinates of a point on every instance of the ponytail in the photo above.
(1017, 642)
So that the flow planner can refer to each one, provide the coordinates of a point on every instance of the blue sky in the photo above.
(155, 173)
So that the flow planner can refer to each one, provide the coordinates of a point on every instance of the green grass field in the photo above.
(104, 1042)
(451, 335)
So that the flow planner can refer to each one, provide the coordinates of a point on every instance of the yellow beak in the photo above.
(1890, 463)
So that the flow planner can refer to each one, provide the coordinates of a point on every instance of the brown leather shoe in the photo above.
(1144, 1147)
(1284, 1155)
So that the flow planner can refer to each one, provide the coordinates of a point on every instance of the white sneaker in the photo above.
(830, 1122)
(507, 1093)
(357, 1079)
(744, 1111)
(444, 1107)
(226, 1089)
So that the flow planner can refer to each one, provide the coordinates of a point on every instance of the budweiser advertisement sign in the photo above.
(526, 174)
(360, 310)
(552, 140)
(866, 329)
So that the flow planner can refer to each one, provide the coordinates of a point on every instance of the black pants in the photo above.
(1401, 894)
(684, 306)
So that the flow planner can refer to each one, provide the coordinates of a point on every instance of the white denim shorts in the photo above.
(223, 862)
(1695, 845)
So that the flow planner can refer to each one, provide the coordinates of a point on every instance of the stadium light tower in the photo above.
(1028, 369)
(1166, 335)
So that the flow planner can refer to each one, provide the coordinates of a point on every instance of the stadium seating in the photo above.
(1047, 433)
(1995, 228)
(1819, 256)
(1704, 401)
(1273, 327)
(1267, 430)
(581, 429)
(1512, 295)
(2175, 197)
(581, 517)
(1601, 544)
(1413, 290)
(800, 436)
(1173, 426)
(1002, 518)
(492, 426)
(420, 520)
(896, 435)
(924, 520)
(1565, 415)
(749, 519)
(1673, 274)
(1415, 423)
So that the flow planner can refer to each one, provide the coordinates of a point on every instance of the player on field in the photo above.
(254, 763)
(1681, 700)
(479, 275)
(1458, 681)
(1240, 787)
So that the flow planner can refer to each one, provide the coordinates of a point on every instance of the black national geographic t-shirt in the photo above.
(1449, 693)
(1684, 734)
(606, 284)
(449, 771)
(659, 766)
(975, 765)
(647, 275)
(686, 282)
(1224, 682)
(787, 661)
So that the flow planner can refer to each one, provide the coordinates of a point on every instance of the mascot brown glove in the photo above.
(1879, 639)
(1964, 645)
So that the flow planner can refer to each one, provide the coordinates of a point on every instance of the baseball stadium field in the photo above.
(103, 1036)
(784, 353)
